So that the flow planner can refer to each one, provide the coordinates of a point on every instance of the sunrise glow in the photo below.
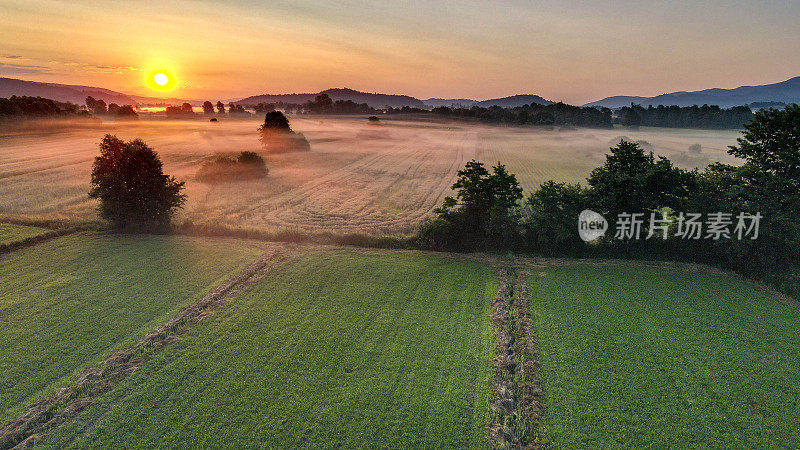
(160, 80)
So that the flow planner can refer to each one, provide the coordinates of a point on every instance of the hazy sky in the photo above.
(574, 51)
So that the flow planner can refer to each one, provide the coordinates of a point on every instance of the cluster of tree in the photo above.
(237, 110)
(323, 104)
(484, 215)
(233, 109)
(183, 110)
(26, 107)
(534, 114)
(246, 165)
(685, 116)
(488, 214)
(98, 107)
(277, 136)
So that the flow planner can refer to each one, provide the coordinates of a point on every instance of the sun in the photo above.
(161, 79)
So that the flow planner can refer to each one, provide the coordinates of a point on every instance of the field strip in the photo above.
(31, 241)
(516, 405)
(68, 401)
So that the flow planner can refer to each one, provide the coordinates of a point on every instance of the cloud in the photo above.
(94, 68)
(12, 56)
(21, 69)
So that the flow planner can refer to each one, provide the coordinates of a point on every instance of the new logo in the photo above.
(591, 225)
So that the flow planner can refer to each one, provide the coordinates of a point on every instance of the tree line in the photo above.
(560, 114)
(490, 213)
(98, 107)
(685, 116)
(30, 107)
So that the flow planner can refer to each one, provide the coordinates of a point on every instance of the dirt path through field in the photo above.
(517, 397)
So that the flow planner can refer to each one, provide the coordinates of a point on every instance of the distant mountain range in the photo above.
(504, 102)
(75, 94)
(787, 91)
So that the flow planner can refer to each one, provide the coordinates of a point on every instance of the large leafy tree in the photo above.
(483, 213)
(633, 181)
(134, 192)
(767, 183)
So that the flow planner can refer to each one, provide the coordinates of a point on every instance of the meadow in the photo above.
(357, 178)
(71, 301)
(335, 348)
(639, 356)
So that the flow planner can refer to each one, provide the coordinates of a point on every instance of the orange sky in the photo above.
(578, 52)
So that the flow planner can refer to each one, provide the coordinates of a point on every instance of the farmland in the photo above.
(10, 233)
(334, 348)
(358, 178)
(642, 356)
(69, 302)
(331, 341)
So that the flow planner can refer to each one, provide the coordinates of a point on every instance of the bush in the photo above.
(246, 166)
(134, 192)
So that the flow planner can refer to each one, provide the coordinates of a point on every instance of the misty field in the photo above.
(69, 302)
(640, 356)
(336, 348)
(357, 178)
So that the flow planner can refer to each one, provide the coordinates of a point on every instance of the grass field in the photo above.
(641, 357)
(358, 178)
(338, 349)
(69, 302)
(10, 233)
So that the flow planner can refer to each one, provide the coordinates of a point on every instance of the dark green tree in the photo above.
(633, 181)
(482, 215)
(133, 190)
(550, 217)
(208, 108)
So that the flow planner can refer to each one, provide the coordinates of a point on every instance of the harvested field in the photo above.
(357, 178)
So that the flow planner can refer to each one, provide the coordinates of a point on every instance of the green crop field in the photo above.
(69, 302)
(641, 357)
(10, 233)
(343, 348)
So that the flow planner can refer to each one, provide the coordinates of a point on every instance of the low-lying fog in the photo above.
(358, 177)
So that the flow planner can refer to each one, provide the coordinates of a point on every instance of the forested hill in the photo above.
(786, 91)
(374, 100)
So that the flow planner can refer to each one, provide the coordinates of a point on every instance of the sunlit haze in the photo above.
(575, 52)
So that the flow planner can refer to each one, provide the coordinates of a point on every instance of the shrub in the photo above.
(133, 190)
(246, 166)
